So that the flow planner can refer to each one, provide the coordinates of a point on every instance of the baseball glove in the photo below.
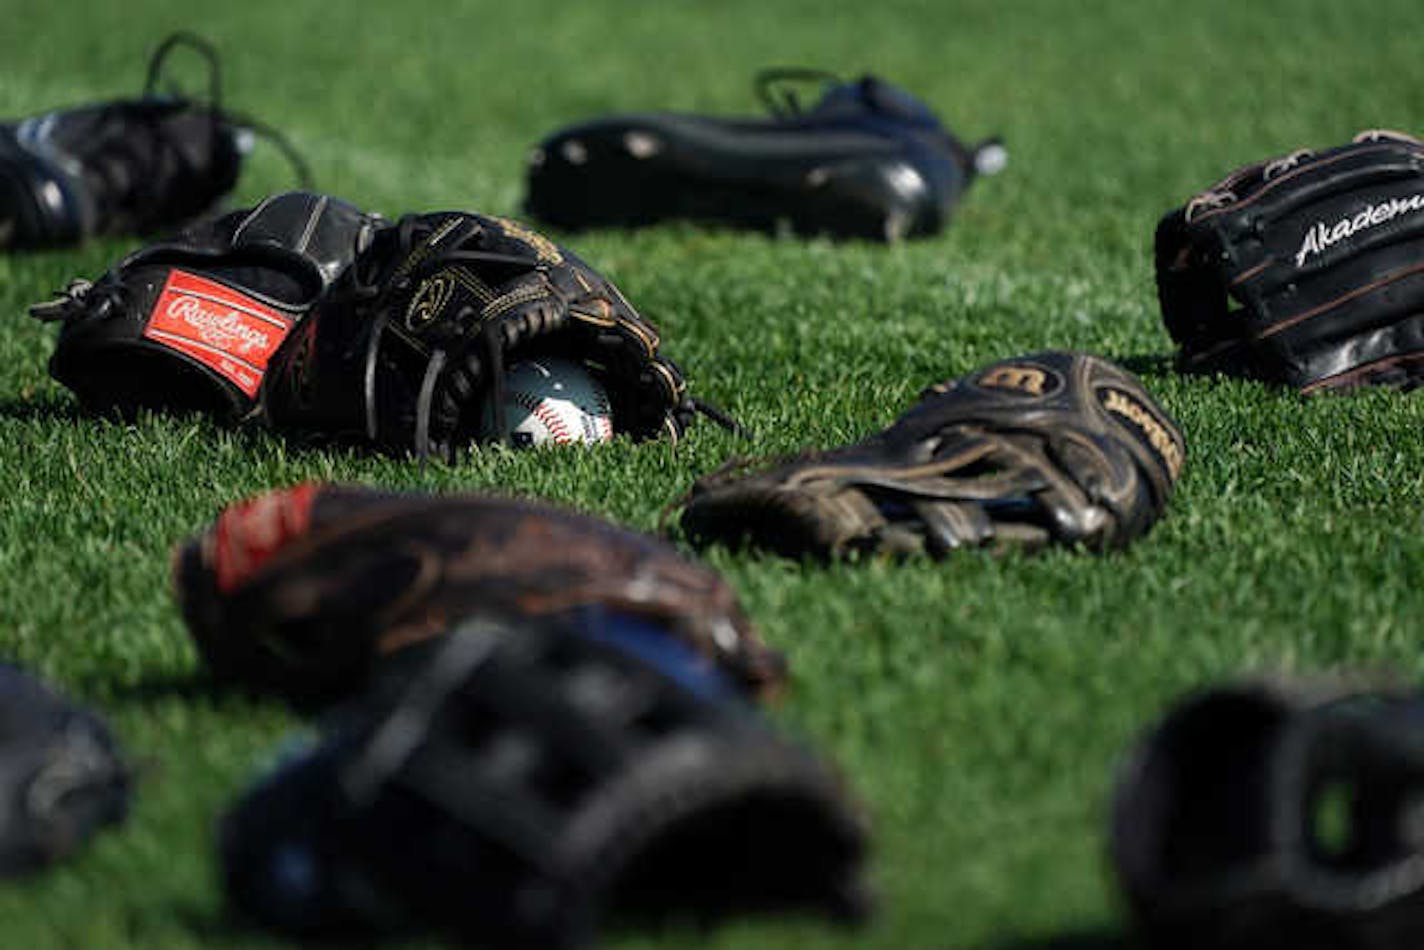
(1306, 271)
(302, 592)
(129, 166)
(531, 781)
(1049, 447)
(62, 777)
(408, 353)
(191, 323)
(1274, 814)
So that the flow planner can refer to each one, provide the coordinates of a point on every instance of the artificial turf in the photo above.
(977, 705)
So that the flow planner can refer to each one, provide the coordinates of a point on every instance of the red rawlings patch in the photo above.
(226, 331)
(248, 533)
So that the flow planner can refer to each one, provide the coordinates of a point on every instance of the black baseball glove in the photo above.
(525, 784)
(1277, 814)
(190, 323)
(1307, 270)
(130, 166)
(62, 777)
(408, 352)
(1050, 447)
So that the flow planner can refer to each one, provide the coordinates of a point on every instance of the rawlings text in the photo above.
(228, 332)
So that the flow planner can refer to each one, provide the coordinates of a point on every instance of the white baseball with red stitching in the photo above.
(555, 401)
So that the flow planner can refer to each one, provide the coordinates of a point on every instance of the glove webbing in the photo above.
(440, 249)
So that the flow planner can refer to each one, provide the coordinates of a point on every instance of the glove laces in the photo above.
(216, 112)
(415, 255)
(421, 249)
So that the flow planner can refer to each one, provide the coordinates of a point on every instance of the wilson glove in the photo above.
(1051, 447)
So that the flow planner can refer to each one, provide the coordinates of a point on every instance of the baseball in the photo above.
(553, 401)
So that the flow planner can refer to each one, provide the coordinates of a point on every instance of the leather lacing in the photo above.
(81, 298)
(481, 353)
(776, 88)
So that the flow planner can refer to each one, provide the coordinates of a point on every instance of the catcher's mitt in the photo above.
(302, 591)
(61, 775)
(1307, 270)
(409, 351)
(191, 323)
(1048, 447)
(129, 166)
(1271, 814)
(530, 781)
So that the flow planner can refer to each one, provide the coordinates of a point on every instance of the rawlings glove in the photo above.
(1049, 447)
(190, 323)
(1267, 814)
(124, 167)
(61, 775)
(1307, 270)
(528, 782)
(408, 353)
(303, 591)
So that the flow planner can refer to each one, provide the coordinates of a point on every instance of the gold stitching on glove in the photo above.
(546, 249)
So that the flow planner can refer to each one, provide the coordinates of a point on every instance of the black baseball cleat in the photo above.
(128, 166)
(868, 160)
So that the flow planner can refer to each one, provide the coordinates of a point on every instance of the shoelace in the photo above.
(80, 297)
(214, 102)
(124, 164)
(775, 88)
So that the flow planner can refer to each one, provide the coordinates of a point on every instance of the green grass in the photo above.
(978, 705)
